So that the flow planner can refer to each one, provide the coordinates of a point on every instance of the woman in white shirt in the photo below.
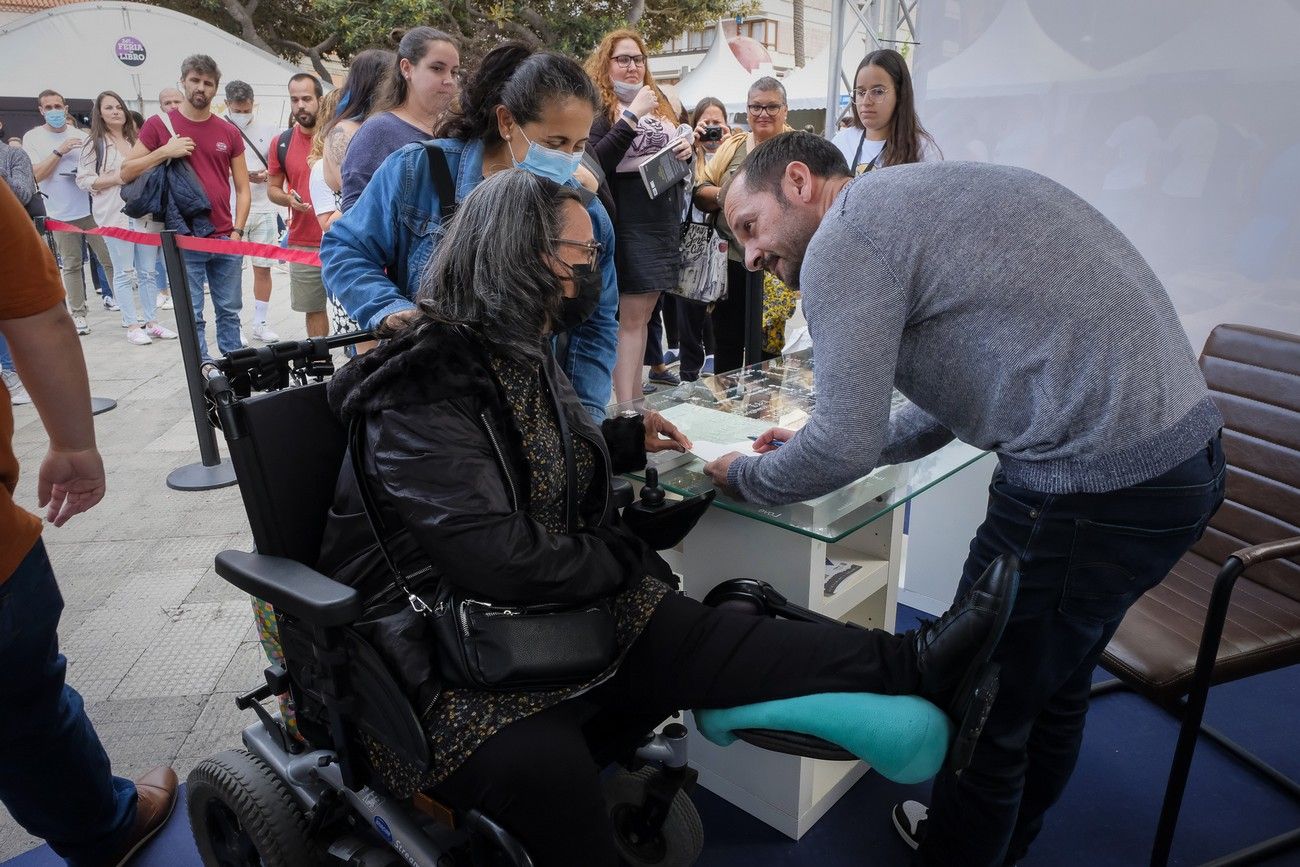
(885, 130)
(112, 135)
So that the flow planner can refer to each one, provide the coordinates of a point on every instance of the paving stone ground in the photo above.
(156, 643)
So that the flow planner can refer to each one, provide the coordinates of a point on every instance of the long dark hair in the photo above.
(490, 271)
(366, 76)
(906, 135)
(522, 80)
(99, 130)
(412, 48)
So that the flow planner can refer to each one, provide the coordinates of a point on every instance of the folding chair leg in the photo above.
(1258, 852)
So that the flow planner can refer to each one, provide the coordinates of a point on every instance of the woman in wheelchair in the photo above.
(474, 446)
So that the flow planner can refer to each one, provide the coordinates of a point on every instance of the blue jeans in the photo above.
(224, 276)
(1085, 558)
(55, 778)
(133, 265)
(6, 360)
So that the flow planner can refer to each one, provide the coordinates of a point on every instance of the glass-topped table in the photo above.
(731, 408)
(839, 555)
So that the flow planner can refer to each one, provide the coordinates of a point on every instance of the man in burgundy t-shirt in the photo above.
(290, 185)
(215, 149)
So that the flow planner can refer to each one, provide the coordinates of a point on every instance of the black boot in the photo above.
(954, 652)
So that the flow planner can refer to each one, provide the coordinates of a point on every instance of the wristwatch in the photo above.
(629, 413)
(630, 116)
(240, 231)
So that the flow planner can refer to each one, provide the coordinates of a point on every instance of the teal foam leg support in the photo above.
(903, 737)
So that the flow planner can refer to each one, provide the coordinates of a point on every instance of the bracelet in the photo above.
(630, 116)
(240, 231)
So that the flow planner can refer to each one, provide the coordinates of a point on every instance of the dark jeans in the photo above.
(734, 316)
(539, 777)
(1085, 558)
(654, 344)
(55, 777)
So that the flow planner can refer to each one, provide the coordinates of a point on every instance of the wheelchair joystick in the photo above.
(652, 496)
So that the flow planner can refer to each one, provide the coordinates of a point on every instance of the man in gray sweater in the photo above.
(1016, 318)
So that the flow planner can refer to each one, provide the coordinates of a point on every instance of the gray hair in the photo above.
(490, 271)
(768, 84)
(239, 91)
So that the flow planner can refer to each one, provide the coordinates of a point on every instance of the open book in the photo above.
(663, 171)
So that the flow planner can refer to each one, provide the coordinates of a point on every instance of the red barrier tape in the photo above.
(198, 245)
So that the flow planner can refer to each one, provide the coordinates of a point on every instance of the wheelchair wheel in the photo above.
(678, 843)
(243, 816)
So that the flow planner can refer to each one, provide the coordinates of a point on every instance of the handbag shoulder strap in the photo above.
(261, 156)
(167, 122)
(442, 183)
(356, 444)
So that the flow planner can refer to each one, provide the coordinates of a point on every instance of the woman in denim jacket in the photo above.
(520, 109)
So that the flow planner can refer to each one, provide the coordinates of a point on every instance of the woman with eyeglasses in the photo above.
(637, 121)
(766, 109)
(519, 109)
(423, 80)
(885, 130)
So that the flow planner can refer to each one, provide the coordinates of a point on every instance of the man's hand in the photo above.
(70, 482)
(663, 435)
(717, 471)
(772, 439)
(69, 144)
(258, 177)
(178, 147)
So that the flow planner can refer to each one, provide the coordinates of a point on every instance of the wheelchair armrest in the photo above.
(288, 585)
(622, 491)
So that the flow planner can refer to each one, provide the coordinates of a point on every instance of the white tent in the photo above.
(719, 74)
(806, 87)
(133, 49)
(1013, 56)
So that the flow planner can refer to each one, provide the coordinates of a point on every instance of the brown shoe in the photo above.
(155, 800)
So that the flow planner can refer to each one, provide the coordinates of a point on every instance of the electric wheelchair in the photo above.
(309, 796)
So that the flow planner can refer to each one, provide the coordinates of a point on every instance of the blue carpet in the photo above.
(1105, 819)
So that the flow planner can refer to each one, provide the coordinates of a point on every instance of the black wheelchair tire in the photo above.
(242, 815)
(681, 840)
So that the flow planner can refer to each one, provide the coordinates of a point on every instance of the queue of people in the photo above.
(498, 237)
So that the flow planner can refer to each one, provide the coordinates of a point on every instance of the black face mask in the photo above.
(575, 311)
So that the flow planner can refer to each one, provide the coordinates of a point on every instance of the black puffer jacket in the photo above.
(445, 461)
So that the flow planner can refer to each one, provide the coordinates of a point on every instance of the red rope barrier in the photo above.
(198, 245)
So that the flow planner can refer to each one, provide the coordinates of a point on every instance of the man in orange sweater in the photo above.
(55, 778)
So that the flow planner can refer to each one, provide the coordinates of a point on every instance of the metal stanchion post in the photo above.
(98, 405)
(753, 317)
(213, 471)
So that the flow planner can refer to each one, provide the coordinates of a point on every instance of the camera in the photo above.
(711, 133)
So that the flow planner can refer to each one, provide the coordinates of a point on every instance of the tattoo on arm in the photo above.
(337, 142)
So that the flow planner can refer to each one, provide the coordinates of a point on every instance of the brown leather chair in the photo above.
(1208, 623)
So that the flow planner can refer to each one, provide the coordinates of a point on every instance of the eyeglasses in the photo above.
(759, 110)
(627, 61)
(593, 248)
(871, 95)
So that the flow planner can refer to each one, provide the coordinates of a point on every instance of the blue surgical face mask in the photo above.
(547, 162)
(56, 118)
(626, 91)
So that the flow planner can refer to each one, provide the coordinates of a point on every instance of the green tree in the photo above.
(316, 28)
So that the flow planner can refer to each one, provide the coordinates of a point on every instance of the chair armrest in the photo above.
(1266, 551)
(622, 492)
(288, 585)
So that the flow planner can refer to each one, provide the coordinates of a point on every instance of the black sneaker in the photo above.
(664, 377)
(909, 821)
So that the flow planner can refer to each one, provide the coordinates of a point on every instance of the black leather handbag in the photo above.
(485, 645)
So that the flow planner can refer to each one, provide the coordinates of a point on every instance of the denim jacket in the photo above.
(373, 257)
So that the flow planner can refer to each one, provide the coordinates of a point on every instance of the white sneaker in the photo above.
(83, 327)
(261, 331)
(138, 337)
(161, 332)
(110, 303)
(17, 394)
(909, 821)
(164, 301)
